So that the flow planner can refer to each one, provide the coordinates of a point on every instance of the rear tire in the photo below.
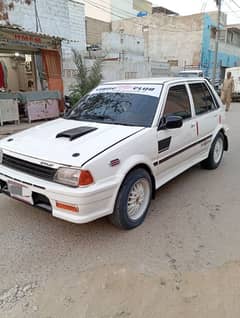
(133, 200)
(216, 153)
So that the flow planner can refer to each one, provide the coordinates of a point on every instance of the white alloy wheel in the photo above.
(218, 150)
(138, 199)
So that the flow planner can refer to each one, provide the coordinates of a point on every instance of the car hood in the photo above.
(87, 139)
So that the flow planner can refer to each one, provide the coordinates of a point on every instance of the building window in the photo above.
(129, 75)
(173, 62)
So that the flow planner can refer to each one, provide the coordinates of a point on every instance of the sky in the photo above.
(185, 7)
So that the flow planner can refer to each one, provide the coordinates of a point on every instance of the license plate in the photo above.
(19, 191)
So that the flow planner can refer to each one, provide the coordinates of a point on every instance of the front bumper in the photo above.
(93, 202)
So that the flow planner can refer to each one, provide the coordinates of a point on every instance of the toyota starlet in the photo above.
(115, 148)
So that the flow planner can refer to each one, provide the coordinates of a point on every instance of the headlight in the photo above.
(1, 155)
(73, 177)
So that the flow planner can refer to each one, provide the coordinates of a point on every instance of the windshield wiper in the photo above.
(124, 124)
(101, 117)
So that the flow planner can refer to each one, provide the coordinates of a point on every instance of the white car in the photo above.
(115, 148)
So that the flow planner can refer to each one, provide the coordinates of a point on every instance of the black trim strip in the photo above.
(156, 163)
(136, 132)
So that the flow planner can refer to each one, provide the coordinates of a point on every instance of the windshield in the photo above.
(123, 106)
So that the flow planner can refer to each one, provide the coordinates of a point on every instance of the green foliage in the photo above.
(86, 78)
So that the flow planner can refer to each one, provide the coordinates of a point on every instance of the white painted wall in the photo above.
(77, 36)
(128, 52)
(116, 70)
(115, 43)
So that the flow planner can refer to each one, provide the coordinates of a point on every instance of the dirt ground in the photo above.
(117, 291)
(184, 261)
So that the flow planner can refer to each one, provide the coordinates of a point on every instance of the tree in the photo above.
(7, 5)
(86, 78)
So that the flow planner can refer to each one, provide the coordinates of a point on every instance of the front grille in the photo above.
(30, 168)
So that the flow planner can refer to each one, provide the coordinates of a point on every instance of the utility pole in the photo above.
(38, 23)
(145, 30)
(122, 54)
(219, 3)
(36, 15)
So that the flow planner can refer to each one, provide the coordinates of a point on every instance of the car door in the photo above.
(174, 144)
(207, 113)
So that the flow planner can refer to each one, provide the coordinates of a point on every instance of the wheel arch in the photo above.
(226, 143)
(148, 169)
(223, 132)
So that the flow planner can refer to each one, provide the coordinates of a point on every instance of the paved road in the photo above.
(193, 227)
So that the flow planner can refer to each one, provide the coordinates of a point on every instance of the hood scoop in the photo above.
(75, 133)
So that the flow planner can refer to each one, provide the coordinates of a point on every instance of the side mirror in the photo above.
(171, 122)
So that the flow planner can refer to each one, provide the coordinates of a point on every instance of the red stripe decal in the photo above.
(197, 128)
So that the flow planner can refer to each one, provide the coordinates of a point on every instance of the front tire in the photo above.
(133, 200)
(216, 153)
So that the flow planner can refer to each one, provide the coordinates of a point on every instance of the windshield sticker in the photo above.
(150, 90)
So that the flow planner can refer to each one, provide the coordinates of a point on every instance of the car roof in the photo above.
(155, 80)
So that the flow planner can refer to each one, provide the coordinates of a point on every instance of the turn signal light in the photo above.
(85, 178)
(68, 207)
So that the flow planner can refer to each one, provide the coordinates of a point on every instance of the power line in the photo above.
(204, 5)
(233, 1)
(231, 10)
(38, 23)
(105, 9)
(219, 3)
(132, 21)
(120, 11)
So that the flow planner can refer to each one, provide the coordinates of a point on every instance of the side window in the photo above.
(178, 103)
(202, 98)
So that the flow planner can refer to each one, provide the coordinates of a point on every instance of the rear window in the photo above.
(203, 100)
(132, 105)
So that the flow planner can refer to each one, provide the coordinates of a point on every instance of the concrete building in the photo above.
(111, 10)
(100, 14)
(185, 41)
(61, 18)
(163, 10)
